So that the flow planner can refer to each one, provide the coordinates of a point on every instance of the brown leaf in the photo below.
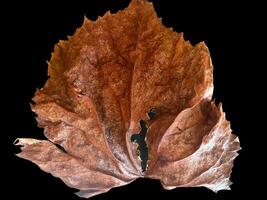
(103, 81)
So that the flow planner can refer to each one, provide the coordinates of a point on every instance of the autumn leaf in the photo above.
(127, 98)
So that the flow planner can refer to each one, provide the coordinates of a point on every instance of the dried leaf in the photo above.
(103, 83)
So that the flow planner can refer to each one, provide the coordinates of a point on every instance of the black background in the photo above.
(32, 28)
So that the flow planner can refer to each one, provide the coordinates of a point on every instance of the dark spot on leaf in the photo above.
(152, 114)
